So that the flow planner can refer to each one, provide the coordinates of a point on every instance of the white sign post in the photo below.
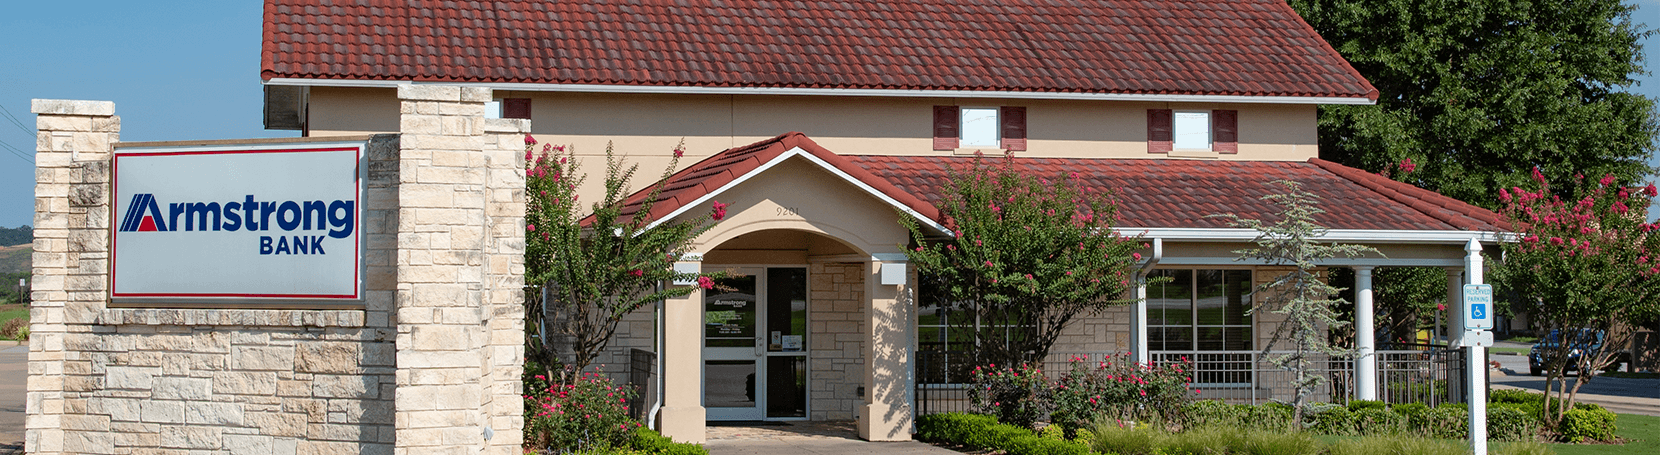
(1478, 318)
(237, 224)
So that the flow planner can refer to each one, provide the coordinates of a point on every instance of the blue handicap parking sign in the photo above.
(1478, 310)
(1477, 299)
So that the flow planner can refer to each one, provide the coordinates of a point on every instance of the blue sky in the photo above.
(186, 70)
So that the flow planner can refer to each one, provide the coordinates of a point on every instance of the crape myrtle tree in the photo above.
(1027, 255)
(1301, 295)
(587, 267)
(1586, 265)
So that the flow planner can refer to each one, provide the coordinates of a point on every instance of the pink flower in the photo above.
(530, 227)
(679, 152)
(1137, 256)
(1606, 179)
(637, 272)
(530, 140)
(1440, 307)
(705, 282)
(988, 264)
(1651, 191)
(1406, 165)
(720, 211)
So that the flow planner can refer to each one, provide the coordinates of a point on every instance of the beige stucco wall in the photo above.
(646, 128)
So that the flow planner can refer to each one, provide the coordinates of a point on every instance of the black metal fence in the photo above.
(1428, 374)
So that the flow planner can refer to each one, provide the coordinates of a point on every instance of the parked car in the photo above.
(1580, 341)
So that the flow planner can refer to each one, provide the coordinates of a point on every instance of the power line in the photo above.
(8, 114)
(18, 153)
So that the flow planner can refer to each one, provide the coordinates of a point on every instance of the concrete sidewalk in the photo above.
(833, 437)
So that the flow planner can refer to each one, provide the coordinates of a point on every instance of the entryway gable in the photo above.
(800, 195)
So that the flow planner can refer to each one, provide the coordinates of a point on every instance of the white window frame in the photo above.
(963, 126)
(492, 108)
(1177, 130)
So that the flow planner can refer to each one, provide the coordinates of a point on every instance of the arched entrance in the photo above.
(760, 331)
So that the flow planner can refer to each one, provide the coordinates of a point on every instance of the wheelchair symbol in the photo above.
(1478, 311)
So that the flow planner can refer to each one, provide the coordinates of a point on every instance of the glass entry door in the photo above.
(755, 345)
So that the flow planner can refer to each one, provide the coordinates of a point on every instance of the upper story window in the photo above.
(1192, 130)
(507, 108)
(1000, 127)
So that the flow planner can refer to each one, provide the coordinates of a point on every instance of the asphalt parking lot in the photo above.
(14, 375)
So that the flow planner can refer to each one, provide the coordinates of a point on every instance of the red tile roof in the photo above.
(1229, 47)
(1152, 193)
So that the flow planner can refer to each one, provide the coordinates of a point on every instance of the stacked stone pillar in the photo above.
(886, 414)
(71, 273)
(459, 228)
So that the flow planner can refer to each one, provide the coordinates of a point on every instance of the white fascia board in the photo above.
(686, 90)
(1337, 262)
(1333, 235)
(794, 152)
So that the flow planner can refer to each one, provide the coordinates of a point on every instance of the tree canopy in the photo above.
(1479, 92)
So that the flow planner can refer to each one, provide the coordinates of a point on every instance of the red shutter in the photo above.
(515, 108)
(945, 127)
(1160, 136)
(1014, 127)
(1224, 127)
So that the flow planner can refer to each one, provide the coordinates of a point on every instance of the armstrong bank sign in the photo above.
(269, 222)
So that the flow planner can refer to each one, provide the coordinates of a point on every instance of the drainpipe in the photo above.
(1138, 315)
(657, 346)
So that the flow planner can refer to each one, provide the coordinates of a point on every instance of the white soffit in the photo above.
(677, 90)
(1333, 235)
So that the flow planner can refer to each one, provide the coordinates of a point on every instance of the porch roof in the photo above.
(1151, 193)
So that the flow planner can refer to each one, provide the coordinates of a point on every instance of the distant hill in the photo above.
(16, 236)
(15, 259)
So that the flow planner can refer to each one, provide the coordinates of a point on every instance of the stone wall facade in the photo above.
(836, 337)
(430, 362)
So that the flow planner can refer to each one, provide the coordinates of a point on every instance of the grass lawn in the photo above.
(1644, 431)
(1496, 350)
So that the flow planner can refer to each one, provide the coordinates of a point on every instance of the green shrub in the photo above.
(1521, 448)
(1084, 436)
(1206, 440)
(586, 412)
(1514, 396)
(1357, 405)
(951, 428)
(1054, 432)
(994, 436)
(1036, 445)
(1332, 420)
(1119, 388)
(1211, 412)
(1268, 442)
(1270, 416)
(1397, 445)
(1508, 422)
(1586, 424)
(1114, 439)
(1379, 422)
(1018, 395)
(1449, 422)
(1410, 410)
(647, 441)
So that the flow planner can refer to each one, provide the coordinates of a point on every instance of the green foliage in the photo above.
(1028, 252)
(1203, 413)
(650, 442)
(587, 413)
(8, 287)
(1118, 388)
(1446, 422)
(1409, 410)
(1379, 422)
(1126, 440)
(1036, 445)
(1520, 448)
(1270, 416)
(1583, 424)
(1016, 395)
(1397, 445)
(595, 271)
(1511, 423)
(1301, 296)
(951, 427)
(1334, 420)
(1358, 405)
(1475, 93)
(1587, 267)
(17, 236)
(1203, 440)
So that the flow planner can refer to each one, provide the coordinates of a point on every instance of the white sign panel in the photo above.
(250, 222)
(1478, 306)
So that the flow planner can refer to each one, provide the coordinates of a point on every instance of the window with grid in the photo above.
(1203, 310)
(944, 341)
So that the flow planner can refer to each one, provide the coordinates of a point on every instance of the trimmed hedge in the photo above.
(1582, 424)
(648, 441)
(982, 432)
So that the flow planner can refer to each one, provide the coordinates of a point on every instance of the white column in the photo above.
(1475, 359)
(1138, 324)
(1366, 363)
